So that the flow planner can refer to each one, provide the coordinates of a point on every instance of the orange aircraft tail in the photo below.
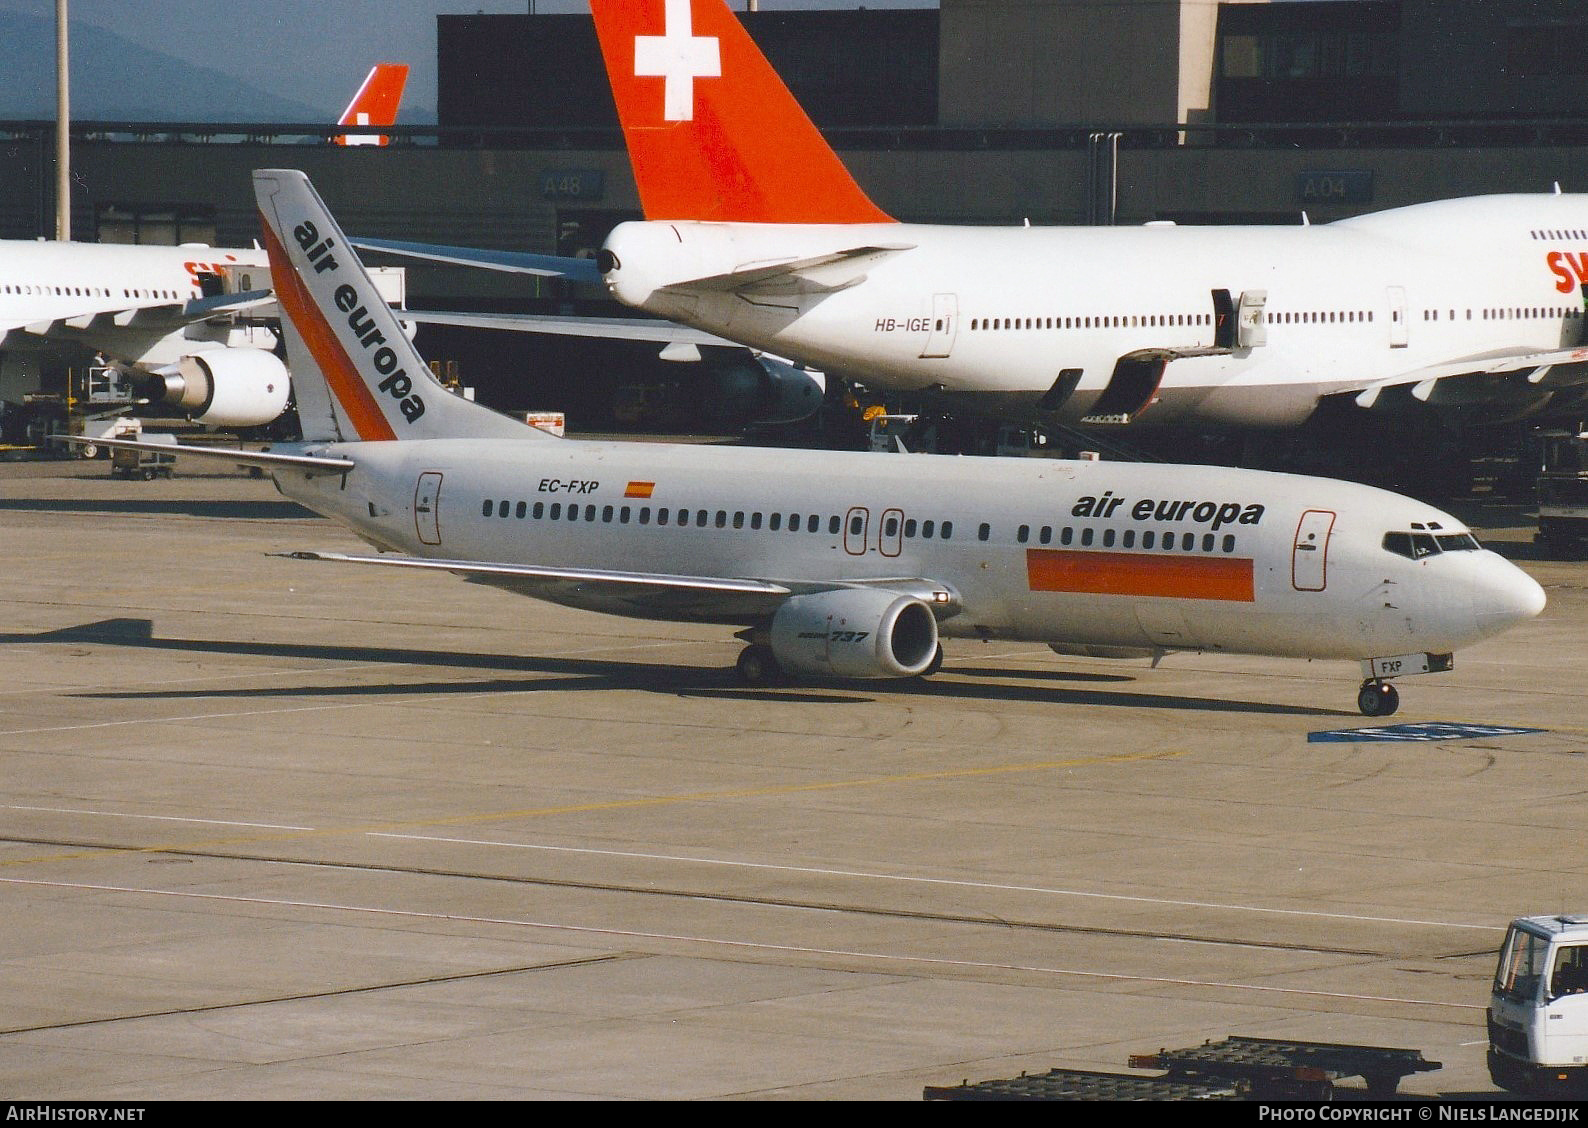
(713, 133)
(375, 103)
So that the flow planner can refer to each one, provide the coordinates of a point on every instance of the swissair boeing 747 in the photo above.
(849, 564)
(755, 231)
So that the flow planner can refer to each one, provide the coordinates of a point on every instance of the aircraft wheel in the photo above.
(1378, 699)
(935, 665)
(758, 666)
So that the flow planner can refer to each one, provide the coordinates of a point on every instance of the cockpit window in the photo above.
(1415, 546)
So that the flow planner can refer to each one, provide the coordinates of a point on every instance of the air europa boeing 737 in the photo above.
(851, 564)
(754, 231)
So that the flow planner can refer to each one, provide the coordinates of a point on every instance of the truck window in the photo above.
(1569, 976)
(1521, 965)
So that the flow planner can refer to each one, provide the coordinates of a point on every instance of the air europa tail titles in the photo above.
(754, 232)
(850, 564)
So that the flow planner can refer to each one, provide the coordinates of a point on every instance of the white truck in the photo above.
(1538, 1008)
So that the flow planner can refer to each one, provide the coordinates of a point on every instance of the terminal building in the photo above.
(974, 112)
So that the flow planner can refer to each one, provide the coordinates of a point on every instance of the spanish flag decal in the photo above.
(639, 489)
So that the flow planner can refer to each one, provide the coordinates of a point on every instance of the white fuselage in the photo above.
(1081, 553)
(1004, 312)
(121, 300)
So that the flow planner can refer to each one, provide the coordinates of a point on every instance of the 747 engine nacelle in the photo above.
(225, 387)
(855, 633)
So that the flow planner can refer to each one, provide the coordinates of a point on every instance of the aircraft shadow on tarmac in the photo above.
(589, 673)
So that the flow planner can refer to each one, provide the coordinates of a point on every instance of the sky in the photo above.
(317, 51)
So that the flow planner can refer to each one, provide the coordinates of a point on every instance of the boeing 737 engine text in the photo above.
(850, 564)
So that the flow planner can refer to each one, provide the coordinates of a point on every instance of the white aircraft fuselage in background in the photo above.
(1384, 301)
(755, 231)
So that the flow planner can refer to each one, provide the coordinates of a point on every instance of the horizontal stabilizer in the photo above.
(609, 328)
(511, 262)
(265, 460)
(820, 274)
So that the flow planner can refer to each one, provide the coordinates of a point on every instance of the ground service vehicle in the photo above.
(1563, 489)
(1538, 1009)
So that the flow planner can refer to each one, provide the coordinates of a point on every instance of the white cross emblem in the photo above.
(679, 56)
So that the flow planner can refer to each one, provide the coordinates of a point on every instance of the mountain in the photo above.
(114, 79)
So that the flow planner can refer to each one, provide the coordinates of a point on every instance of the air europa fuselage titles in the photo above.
(1216, 513)
(395, 380)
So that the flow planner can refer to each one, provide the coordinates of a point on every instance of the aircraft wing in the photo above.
(1506, 377)
(714, 599)
(611, 328)
(700, 598)
(511, 262)
(165, 317)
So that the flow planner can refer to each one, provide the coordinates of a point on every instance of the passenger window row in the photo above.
(891, 525)
(1150, 539)
(1112, 321)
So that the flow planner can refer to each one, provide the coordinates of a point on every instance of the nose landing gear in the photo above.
(1377, 698)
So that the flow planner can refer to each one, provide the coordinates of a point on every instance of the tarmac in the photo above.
(275, 829)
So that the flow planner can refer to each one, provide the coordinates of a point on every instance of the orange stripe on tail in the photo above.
(356, 403)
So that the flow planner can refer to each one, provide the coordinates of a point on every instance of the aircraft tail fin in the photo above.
(713, 133)
(375, 103)
(356, 375)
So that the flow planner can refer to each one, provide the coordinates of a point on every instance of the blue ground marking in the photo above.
(1430, 731)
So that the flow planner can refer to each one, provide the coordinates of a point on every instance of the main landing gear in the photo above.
(1377, 698)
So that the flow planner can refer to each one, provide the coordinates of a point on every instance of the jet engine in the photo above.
(855, 633)
(756, 388)
(225, 387)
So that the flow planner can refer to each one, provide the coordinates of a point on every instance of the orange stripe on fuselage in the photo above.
(348, 388)
(1169, 575)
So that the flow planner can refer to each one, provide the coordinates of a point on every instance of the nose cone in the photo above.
(1504, 595)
